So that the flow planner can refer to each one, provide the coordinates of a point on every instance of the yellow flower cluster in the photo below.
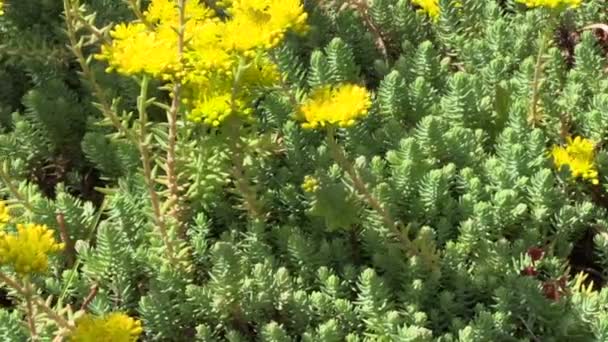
(552, 3)
(5, 215)
(152, 47)
(27, 250)
(430, 7)
(579, 156)
(1, 7)
(342, 106)
(214, 49)
(115, 327)
(262, 23)
(310, 184)
(212, 99)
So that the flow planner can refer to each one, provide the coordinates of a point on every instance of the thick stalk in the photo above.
(142, 104)
(340, 157)
(172, 121)
(533, 116)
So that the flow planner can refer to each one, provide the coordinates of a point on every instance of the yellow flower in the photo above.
(115, 327)
(212, 109)
(579, 156)
(1, 7)
(551, 3)
(310, 184)
(430, 7)
(342, 105)
(260, 73)
(204, 49)
(5, 216)
(160, 11)
(209, 98)
(137, 48)
(27, 250)
(262, 23)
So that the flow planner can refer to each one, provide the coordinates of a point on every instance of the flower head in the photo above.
(5, 216)
(152, 47)
(551, 3)
(430, 7)
(579, 156)
(115, 327)
(205, 50)
(262, 23)
(212, 109)
(210, 99)
(342, 105)
(136, 50)
(27, 250)
(310, 184)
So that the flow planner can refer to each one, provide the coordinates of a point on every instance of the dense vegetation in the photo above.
(287, 170)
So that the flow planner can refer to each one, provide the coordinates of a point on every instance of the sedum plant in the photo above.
(287, 170)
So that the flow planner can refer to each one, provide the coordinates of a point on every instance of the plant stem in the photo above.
(142, 104)
(533, 116)
(15, 193)
(362, 7)
(136, 8)
(65, 237)
(30, 311)
(105, 105)
(91, 234)
(89, 298)
(250, 199)
(339, 156)
(172, 122)
(36, 301)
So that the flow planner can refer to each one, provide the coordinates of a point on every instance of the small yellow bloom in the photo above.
(1, 7)
(261, 73)
(342, 106)
(310, 184)
(138, 48)
(27, 250)
(551, 3)
(212, 109)
(205, 51)
(430, 7)
(262, 23)
(5, 216)
(210, 98)
(115, 327)
(579, 156)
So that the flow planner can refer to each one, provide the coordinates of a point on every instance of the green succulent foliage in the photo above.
(446, 149)
(11, 328)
